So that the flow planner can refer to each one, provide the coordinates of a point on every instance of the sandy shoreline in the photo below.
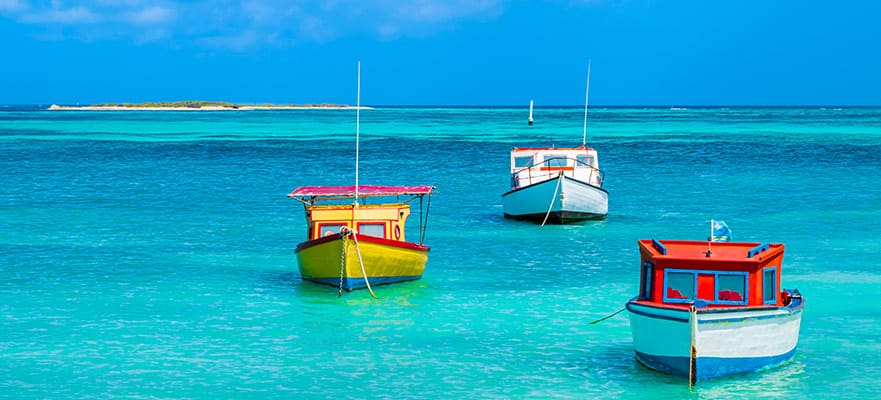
(204, 108)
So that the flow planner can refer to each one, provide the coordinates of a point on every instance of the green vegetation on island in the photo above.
(167, 104)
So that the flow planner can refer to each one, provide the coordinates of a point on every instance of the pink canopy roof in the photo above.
(363, 191)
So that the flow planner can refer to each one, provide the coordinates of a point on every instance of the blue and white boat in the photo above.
(708, 310)
(557, 185)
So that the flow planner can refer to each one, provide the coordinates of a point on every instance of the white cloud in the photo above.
(387, 31)
(62, 16)
(150, 15)
(122, 3)
(11, 6)
(435, 11)
(262, 11)
(316, 30)
(240, 41)
(250, 23)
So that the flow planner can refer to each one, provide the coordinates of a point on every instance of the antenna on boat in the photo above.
(530, 113)
(357, 130)
(710, 240)
(586, 96)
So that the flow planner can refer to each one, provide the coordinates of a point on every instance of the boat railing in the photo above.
(539, 172)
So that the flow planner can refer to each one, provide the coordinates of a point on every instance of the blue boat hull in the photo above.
(712, 367)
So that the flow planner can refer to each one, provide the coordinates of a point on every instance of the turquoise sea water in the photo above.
(150, 254)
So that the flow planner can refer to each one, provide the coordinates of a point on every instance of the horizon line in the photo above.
(537, 106)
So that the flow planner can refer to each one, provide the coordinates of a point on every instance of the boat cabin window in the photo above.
(731, 288)
(555, 160)
(646, 281)
(679, 287)
(329, 229)
(372, 229)
(584, 161)
(713, 287)
(769, 286)
(522, 161)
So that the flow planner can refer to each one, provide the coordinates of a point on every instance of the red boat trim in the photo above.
(556, 168)
(363, 239)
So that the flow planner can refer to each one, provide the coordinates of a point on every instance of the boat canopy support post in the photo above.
(420, 220)
(423, 225)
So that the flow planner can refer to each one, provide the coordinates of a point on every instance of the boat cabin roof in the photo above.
(538, 149)
(344, 192)
(687, 252)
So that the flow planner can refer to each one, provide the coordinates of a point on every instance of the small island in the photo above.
(200, 105)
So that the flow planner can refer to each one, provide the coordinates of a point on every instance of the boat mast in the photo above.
(586, 96)
(710, 240)
(357, 130)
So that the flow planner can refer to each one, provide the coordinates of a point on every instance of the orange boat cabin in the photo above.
(679, 273)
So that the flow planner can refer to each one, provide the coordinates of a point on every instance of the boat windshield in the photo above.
(522, 161)
(585, 161)
(556, 160)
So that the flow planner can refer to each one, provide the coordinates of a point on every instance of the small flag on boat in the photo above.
(721, 232)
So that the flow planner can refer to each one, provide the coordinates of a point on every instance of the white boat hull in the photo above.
(574, 200)
(727, 342)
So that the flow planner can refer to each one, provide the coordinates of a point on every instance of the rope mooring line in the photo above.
(553, 199)
(345, 232)
(342, 259)
(608, 316)
(361, 262)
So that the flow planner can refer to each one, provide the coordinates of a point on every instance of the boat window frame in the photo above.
(321, 225)
(530, 162)
(589, 161)
(686, 300)
(773, 299)
(646, 272)
(716, 274)
(373, 223)
(548, 159)
(745, 296)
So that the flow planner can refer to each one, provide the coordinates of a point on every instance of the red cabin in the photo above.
(718, 274)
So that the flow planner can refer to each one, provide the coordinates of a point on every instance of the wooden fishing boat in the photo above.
(352, 245)
(556, 185)
(708, 310)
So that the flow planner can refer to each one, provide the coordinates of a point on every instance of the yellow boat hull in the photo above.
(333, 260)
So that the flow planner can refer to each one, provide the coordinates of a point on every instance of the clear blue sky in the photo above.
(442, 52)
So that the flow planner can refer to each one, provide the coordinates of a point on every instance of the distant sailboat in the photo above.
(530, 112)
